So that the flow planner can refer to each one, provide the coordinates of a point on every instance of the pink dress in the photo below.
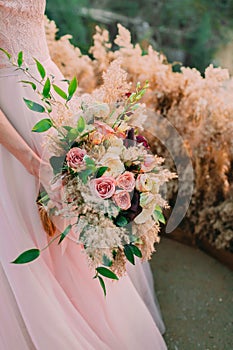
(53, 303)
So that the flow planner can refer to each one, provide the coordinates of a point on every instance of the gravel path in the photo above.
(196, 297)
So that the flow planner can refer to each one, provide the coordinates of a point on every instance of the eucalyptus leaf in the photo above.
(57, 164)
(89, 161)
(43, 125)
(129, 253)
(60, 92)
(81, 124)
(46, 89)
(106, 261)
(65, 233)
(20, 58)
(40, 69)
(6, 53)
(72, 88)
(36, 107)
(27, 256)
(102, 284)
(83, 175)
(106, 273)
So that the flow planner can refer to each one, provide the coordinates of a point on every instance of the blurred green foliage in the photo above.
(189, 30)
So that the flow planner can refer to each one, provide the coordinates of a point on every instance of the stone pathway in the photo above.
(196, 297)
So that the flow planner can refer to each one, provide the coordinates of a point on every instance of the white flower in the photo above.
(113, 162)
(144, 183)
(146, 198)
(115, 150)
(132, 153)
(115, 141)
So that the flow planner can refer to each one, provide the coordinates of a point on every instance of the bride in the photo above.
(53, 303)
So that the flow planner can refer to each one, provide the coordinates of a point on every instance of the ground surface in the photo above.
(196, 297)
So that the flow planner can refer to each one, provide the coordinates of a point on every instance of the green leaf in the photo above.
(158, 216)
(132, 97)
(134, 107)
(72, 134)
(48, 105)
(60, 92)
(43, 125)
(65, 233)
(129, 254)
(158, 208)
(102, 284)
(135, 250)
(20, 58)
(46, 88)
(72, 88)
(66, 127)
(6, 53)
(27, 256)
(57, 164)
(106, 261)
(101, 171)
(36, 107)
(29, 83)
(121, 221)
(106, 273)
(83, 175)
(89, 161)
(40, 68)
(81, 124)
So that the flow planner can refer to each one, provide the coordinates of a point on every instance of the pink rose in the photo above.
(104, 187)
(148, 163)
(122, 199)
(126, 181)
(75, 157)
(103, 128)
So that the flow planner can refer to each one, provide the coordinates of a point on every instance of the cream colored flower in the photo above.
(115, 150)
(146, 199)
(115, 141)
(113, 162)
(144, 183)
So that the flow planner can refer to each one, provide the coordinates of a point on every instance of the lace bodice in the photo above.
(22, 29)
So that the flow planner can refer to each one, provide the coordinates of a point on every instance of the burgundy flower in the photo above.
(135, 208)
(143, 140)
(130, 138)
(128, 94)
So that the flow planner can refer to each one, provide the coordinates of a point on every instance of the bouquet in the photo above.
(107, 179)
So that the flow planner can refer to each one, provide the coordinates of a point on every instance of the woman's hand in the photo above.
(36, 166)
(16, 145)
(32, 163)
